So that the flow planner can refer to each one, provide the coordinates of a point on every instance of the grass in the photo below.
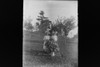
(35, 57)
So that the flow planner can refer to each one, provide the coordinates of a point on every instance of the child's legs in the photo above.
(44, 45)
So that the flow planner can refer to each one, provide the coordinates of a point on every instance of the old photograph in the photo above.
(50, 33)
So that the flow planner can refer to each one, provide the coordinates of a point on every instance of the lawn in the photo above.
(32, 52)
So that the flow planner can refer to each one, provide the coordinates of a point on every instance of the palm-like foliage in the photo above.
(64, 25)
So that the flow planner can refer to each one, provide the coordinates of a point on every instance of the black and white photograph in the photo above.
(50, 33)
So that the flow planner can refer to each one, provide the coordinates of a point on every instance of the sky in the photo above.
(52, 9)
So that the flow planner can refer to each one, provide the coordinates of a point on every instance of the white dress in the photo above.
(55, 38)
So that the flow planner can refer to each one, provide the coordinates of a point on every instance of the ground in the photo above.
(33, 55)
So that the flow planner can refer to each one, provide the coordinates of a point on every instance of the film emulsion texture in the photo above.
(50, 33)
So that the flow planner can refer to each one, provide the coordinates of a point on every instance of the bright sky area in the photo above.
(52, 9)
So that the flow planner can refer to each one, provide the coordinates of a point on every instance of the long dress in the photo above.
(55, 39)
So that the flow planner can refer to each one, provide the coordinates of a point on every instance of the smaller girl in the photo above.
(55, 39)
(46, 38)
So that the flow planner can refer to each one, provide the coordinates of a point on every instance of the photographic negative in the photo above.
(50, 33)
